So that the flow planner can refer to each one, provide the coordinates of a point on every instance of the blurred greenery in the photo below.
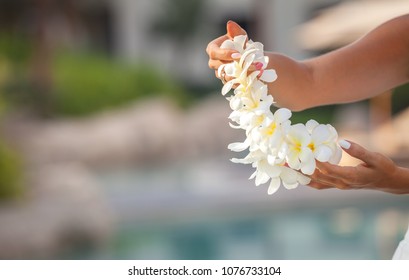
(10, 173)
(323, 114)
(2, 104)
(15, 51)
(400, 99)
(15, 48)
(87, 83)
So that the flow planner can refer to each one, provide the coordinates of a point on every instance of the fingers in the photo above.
(233, 29)
(218, 56)
(361, 153)
(216, 53)
(322, 179)
(319, 186)
(336, 171)
(215, 64)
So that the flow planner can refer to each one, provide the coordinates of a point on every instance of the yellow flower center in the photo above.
(270, 130)
(259, 120)
(311, 146)
(297, 147)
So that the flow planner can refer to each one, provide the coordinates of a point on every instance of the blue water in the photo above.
(209, 210)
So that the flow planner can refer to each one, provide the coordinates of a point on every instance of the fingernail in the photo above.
(259, 65)
(236, 55)
(344, 144)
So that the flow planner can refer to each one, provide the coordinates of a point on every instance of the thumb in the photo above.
(233, 29)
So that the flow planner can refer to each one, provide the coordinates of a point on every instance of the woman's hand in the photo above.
(376, 172)
(218, 56)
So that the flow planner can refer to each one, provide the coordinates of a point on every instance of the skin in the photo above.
(377, 62)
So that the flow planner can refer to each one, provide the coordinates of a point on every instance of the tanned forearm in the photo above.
(348, 74)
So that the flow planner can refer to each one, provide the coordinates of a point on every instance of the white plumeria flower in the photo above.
(250, 105)
(324, 142)
(265, 172)
(300, 155)
(277, 174)
(277, 149)
(291, 178)
(252, 94)
(238, 43)
(269, 136)
(332, 142)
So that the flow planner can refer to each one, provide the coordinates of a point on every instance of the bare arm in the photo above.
(377, 62)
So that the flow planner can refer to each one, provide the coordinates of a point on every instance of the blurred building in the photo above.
(171, 34)
(271, 22)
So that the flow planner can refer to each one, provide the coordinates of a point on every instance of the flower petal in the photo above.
(306, 154)
(234, 126)
(253, 175)
(221, 69)
(282, 115)
(235, 104)
(302, 179)
(336, 156)
(240, 42)
(288, 176)
(228, 44)
(271, 159)
(274, 185)
(290, 186)
(322, 153)
(293, 160)
(320, 134)
(273, 170)
(269, 76)
(247, 57)
(239, 146)
(261, 178)
(308, 167)
(230, 69)
(228, 86)
(310, 125)
(241, 160)
(298, 134)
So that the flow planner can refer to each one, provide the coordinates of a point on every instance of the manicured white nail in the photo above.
(344, 144)
(236, 55)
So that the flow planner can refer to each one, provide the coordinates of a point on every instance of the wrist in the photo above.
(401, 177)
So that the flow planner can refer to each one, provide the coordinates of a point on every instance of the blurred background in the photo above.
(113, 134)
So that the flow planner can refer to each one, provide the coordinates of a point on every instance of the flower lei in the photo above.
(279, 151)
